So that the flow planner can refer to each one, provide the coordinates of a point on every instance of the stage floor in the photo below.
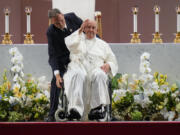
(83, 128)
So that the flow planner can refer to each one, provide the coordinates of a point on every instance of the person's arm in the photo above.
(77, 20)
(52, 53)
(111, 61)
(53, 60)
(73, 40)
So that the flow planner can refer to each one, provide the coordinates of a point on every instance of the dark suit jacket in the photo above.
(57, 50)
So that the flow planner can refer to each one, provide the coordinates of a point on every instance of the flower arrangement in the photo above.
(145, 97)
(24, 98)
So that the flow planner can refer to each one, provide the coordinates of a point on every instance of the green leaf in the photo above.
(114, 81)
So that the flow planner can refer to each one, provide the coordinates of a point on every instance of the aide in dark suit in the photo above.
(61, 27)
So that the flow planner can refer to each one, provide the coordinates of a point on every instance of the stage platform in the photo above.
(90, 128)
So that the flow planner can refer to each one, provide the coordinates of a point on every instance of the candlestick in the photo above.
(28, 36)
(157, 35)
(6, 23)
(28, 11)
(135, 35)
(177, 38)
(99, 23)
(135, 11)
(28, 24)
(6, 12)
(156, 22)
(7, 36)
(156, 10)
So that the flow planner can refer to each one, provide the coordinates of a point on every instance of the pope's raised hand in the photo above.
(84, 24)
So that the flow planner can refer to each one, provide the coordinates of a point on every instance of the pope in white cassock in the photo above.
(92, 60)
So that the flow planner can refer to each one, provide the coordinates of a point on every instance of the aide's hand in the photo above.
(84, 24)
(105, 68)
(58, 81)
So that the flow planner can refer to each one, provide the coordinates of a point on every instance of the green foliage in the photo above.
(27, 103)
(150, 101)
(136, 115)
(15, 116)
(124, 102)
(114, 82)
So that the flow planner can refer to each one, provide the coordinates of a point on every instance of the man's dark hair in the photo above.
(53, 12)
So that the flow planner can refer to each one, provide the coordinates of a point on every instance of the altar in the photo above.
(165, 58)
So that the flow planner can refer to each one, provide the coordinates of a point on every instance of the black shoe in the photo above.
(97, 113)
(74, 114)
(50, 119)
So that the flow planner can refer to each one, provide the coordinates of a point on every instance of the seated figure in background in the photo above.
(86, 78)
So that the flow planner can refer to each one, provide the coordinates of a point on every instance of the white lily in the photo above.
(16, 78)
(16, 86)
(145, 56)
(119, 93)
(16, 68)
(13, 50)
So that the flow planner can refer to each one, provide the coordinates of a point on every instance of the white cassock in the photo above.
(85, 82)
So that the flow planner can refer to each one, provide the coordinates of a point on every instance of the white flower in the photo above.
(13, 100)
(155, 86)
(16, 78)
(16, 68)
(22, 74)
(173, 95)
(149, 77)
(21, 65)
(138, 99)
(39, 95)
(177, 93)
(125, 77)
(13, 51)
(146, 78)
(17, 59)
(146, 102)
(145, 70)
(142, 100)
(171, 116)
(23, 97)
(145, 64)
(168, 115)
(145, 56)
(47, 94)
(164, 112)
(164, 87)
(161, 91)
(23, 90)
(177, 99)
(28, 102)
(118, 93)
(134, 77)
(16, 86)
(148, 93)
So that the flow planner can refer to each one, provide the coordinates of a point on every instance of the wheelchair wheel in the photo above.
(107, 116)
(60, 115)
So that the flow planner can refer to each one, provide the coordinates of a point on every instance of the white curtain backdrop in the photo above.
(83, 8)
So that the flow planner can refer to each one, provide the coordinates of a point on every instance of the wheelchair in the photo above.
(61, 115)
